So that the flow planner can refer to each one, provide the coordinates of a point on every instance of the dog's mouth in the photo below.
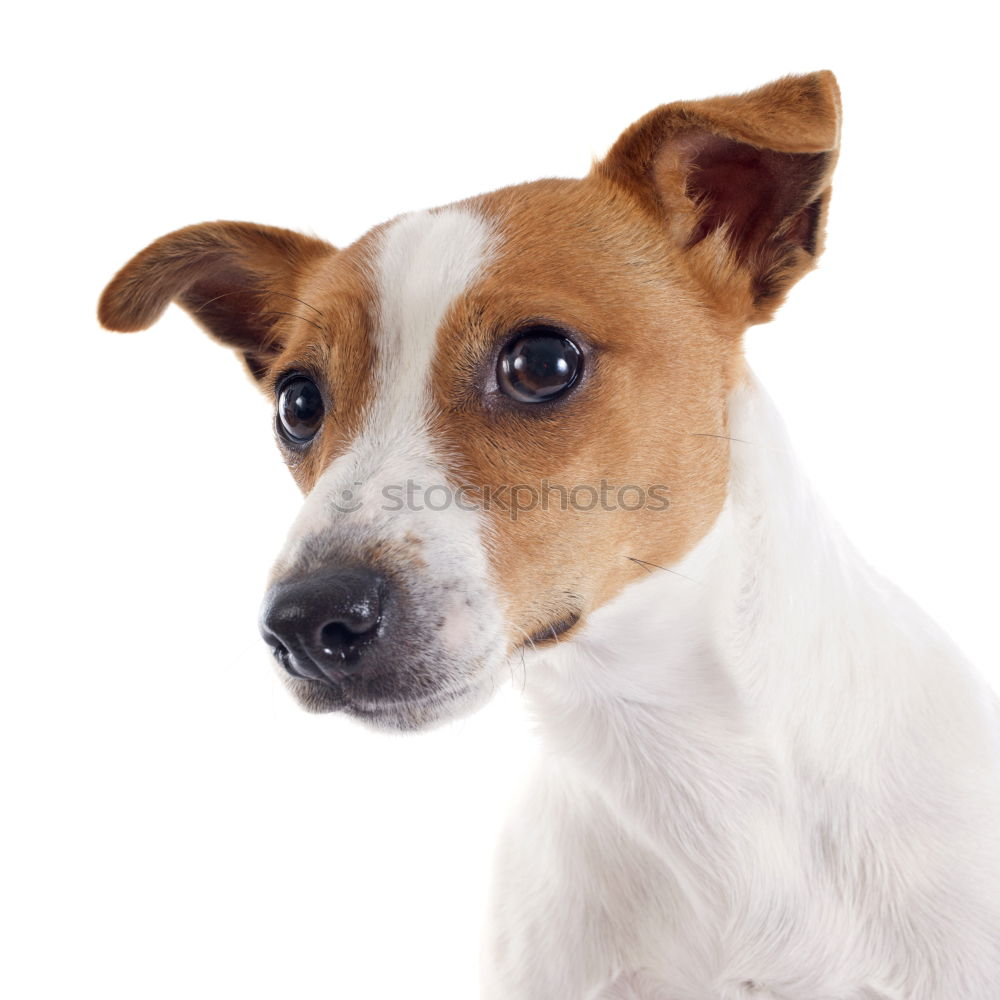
(397, 710)
(417, 712)
(550, 634)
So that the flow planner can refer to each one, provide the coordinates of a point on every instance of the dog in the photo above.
(529, 444)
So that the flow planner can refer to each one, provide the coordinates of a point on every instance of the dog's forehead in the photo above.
(567, 234)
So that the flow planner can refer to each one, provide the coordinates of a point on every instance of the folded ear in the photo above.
(236, 279)
(740, 184)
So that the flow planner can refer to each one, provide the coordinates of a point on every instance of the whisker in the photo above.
(721, 437)
(286, 295)
(666, 569)
(208, 302)
(222, 295)
(275, 312)
(524, 665)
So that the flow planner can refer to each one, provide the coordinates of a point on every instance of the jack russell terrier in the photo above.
(529, 442)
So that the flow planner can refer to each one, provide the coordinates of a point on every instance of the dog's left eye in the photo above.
(300, 409)
(538, 365)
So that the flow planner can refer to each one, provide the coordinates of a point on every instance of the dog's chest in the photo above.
(583, 890)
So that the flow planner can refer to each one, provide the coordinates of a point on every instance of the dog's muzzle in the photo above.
(387, 641)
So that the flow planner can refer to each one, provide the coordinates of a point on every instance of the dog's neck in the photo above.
(699, 702)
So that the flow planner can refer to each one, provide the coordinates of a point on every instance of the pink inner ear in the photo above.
(760, 195)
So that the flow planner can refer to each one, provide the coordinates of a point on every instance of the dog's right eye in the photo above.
(300, 409)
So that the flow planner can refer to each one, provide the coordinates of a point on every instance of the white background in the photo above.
(173, 825)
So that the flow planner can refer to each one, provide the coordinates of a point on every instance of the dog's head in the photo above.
(504, 411)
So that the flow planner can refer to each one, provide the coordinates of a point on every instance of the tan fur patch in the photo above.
(341, 357)
(649, 411)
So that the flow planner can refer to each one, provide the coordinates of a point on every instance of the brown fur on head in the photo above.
(694, 226)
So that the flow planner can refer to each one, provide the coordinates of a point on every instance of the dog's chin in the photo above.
(392, 714)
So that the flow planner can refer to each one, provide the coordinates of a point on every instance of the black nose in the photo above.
(324, 626)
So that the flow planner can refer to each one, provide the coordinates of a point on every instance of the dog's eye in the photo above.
(539, 364)
(300, 409)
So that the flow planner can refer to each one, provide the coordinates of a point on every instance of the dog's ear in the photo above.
(235, 278)
(740, 184)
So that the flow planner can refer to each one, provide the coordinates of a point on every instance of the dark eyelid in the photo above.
(546, 325)
(288, 374)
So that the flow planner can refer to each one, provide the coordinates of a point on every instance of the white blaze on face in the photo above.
(423, 263)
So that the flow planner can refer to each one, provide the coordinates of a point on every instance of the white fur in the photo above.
(424, 261)
(769, 777)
